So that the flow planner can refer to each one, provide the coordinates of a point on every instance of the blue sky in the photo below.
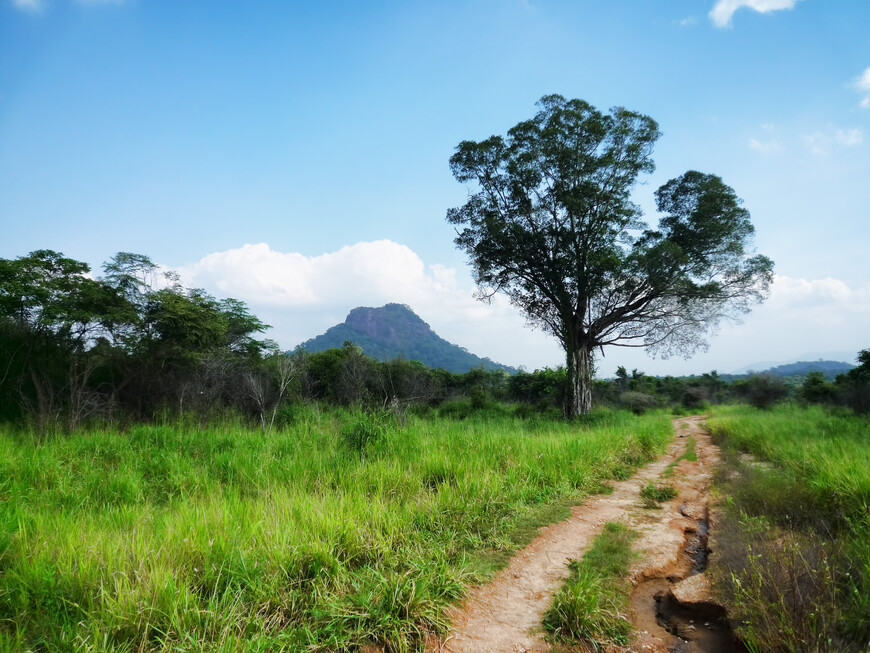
(295, 155)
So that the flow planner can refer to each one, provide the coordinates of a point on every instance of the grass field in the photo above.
(343, 530)
(793, 556)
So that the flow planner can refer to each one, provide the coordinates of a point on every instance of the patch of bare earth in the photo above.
(672, 605)
(505, 614)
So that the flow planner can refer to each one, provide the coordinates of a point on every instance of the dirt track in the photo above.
(505, 614)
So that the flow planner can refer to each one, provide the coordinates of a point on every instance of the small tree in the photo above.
(764, 390)
(816, 389)
(853, 388)
(267, 386)
(551, 224)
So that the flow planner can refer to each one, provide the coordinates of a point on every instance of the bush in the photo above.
(637, 402)
(765, 390)
(695, 397)
(365, 432)
(816, 389)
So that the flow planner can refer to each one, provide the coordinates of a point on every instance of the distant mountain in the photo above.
(395, 331)
(829, 368)
(800, 368)
(828, 356)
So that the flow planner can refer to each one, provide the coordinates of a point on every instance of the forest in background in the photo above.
(135, 344)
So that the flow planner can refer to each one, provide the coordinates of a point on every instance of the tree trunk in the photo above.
(580, 380)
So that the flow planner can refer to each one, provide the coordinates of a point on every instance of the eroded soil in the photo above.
(505, 614)
(672, 606)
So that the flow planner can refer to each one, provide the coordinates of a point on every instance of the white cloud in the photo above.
(809, 312)
(822, 143)
(765, 147)
(800, 316)
(691, 21)
(36, 6)
(723, 10)
(302, 296)
(862, 84)
(28, 5)
(849, 137)
(817, 143)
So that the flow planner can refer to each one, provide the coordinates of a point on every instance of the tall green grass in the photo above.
(793, 555)
(592, 605)
(340, 531)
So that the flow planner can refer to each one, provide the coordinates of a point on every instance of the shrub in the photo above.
(695, 397)
(637, 402)
(366, 431)
(816, 389)
(765, 390)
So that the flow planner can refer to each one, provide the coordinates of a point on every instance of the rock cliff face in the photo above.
(393, 323)
(395, 331)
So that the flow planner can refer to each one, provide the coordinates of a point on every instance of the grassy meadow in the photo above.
(793, 555)
(343, 530)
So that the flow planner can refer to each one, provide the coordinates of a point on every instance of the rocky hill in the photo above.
(395, 331)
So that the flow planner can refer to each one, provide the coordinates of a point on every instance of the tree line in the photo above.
(135, 344)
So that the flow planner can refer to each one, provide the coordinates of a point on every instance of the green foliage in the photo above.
(816, 389)
(551, 223)
(763, 390)
(592, 605)
(853, 388)
(78, 347)
(637, 402)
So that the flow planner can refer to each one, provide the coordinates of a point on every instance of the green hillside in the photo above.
(395, 331)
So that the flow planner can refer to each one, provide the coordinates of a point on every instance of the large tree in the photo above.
(550, 222)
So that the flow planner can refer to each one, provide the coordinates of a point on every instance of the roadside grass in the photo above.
(689, 454)
(652, 495)
(592, 605)
(792, 560)
(343, 530)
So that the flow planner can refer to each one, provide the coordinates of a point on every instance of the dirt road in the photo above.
(505, 614)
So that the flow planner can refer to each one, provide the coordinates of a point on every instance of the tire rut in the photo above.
(505, 614)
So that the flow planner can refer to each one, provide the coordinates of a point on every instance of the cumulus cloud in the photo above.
(862, 84)
(302, 296)
(829, 298)
(370, 271)
(810, 315)
(822, 143)
(723, 10)
(800, 316)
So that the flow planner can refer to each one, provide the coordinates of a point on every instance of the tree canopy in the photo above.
(551, 223)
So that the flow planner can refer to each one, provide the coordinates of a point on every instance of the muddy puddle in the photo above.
(695, 624)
